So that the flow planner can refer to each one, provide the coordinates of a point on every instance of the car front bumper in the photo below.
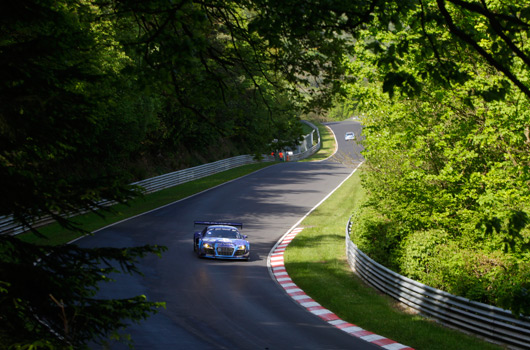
(224, 252)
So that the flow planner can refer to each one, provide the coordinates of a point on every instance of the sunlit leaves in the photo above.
(447, 151)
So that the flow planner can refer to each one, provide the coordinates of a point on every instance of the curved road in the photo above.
(214, 304)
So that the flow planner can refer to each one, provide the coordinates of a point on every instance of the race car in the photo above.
(349, 136)
(221, 240)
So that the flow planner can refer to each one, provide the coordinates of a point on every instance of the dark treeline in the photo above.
(97, 94)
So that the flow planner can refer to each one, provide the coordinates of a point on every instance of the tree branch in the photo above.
(489, 58)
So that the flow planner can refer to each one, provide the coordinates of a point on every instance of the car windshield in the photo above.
(223, 232)
(349, 134)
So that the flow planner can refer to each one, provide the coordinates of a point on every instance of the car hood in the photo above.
(218, 240)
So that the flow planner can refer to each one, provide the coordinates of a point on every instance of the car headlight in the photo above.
(242, 247)
(207, 246)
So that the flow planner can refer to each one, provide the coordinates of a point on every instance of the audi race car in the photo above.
(221, 240)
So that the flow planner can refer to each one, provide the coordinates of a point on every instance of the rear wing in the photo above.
(209, 223)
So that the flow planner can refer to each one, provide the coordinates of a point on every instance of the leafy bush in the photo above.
(440, 260)
(376, 236)
(513, 288)
(418, 251)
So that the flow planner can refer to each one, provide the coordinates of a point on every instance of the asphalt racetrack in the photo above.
(214, 304)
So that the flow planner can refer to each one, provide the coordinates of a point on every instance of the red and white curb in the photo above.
(277, 267)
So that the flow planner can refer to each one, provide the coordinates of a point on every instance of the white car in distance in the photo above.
(349, 136)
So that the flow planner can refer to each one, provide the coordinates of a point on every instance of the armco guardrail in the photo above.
(9, 226)
(181, 176)
(309, 152)
(313, 149)
(490, 322)
(157, 183)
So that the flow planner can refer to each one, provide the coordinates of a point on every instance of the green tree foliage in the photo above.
(447, 137)
(87, 87)
(60, 97)
(213, 76)
(67, 111)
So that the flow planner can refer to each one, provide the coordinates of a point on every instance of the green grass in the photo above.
(90, 222)
(316, 261)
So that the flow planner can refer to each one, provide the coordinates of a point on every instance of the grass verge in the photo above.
(316, 262)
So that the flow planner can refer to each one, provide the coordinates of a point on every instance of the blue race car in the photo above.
(221, 240)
